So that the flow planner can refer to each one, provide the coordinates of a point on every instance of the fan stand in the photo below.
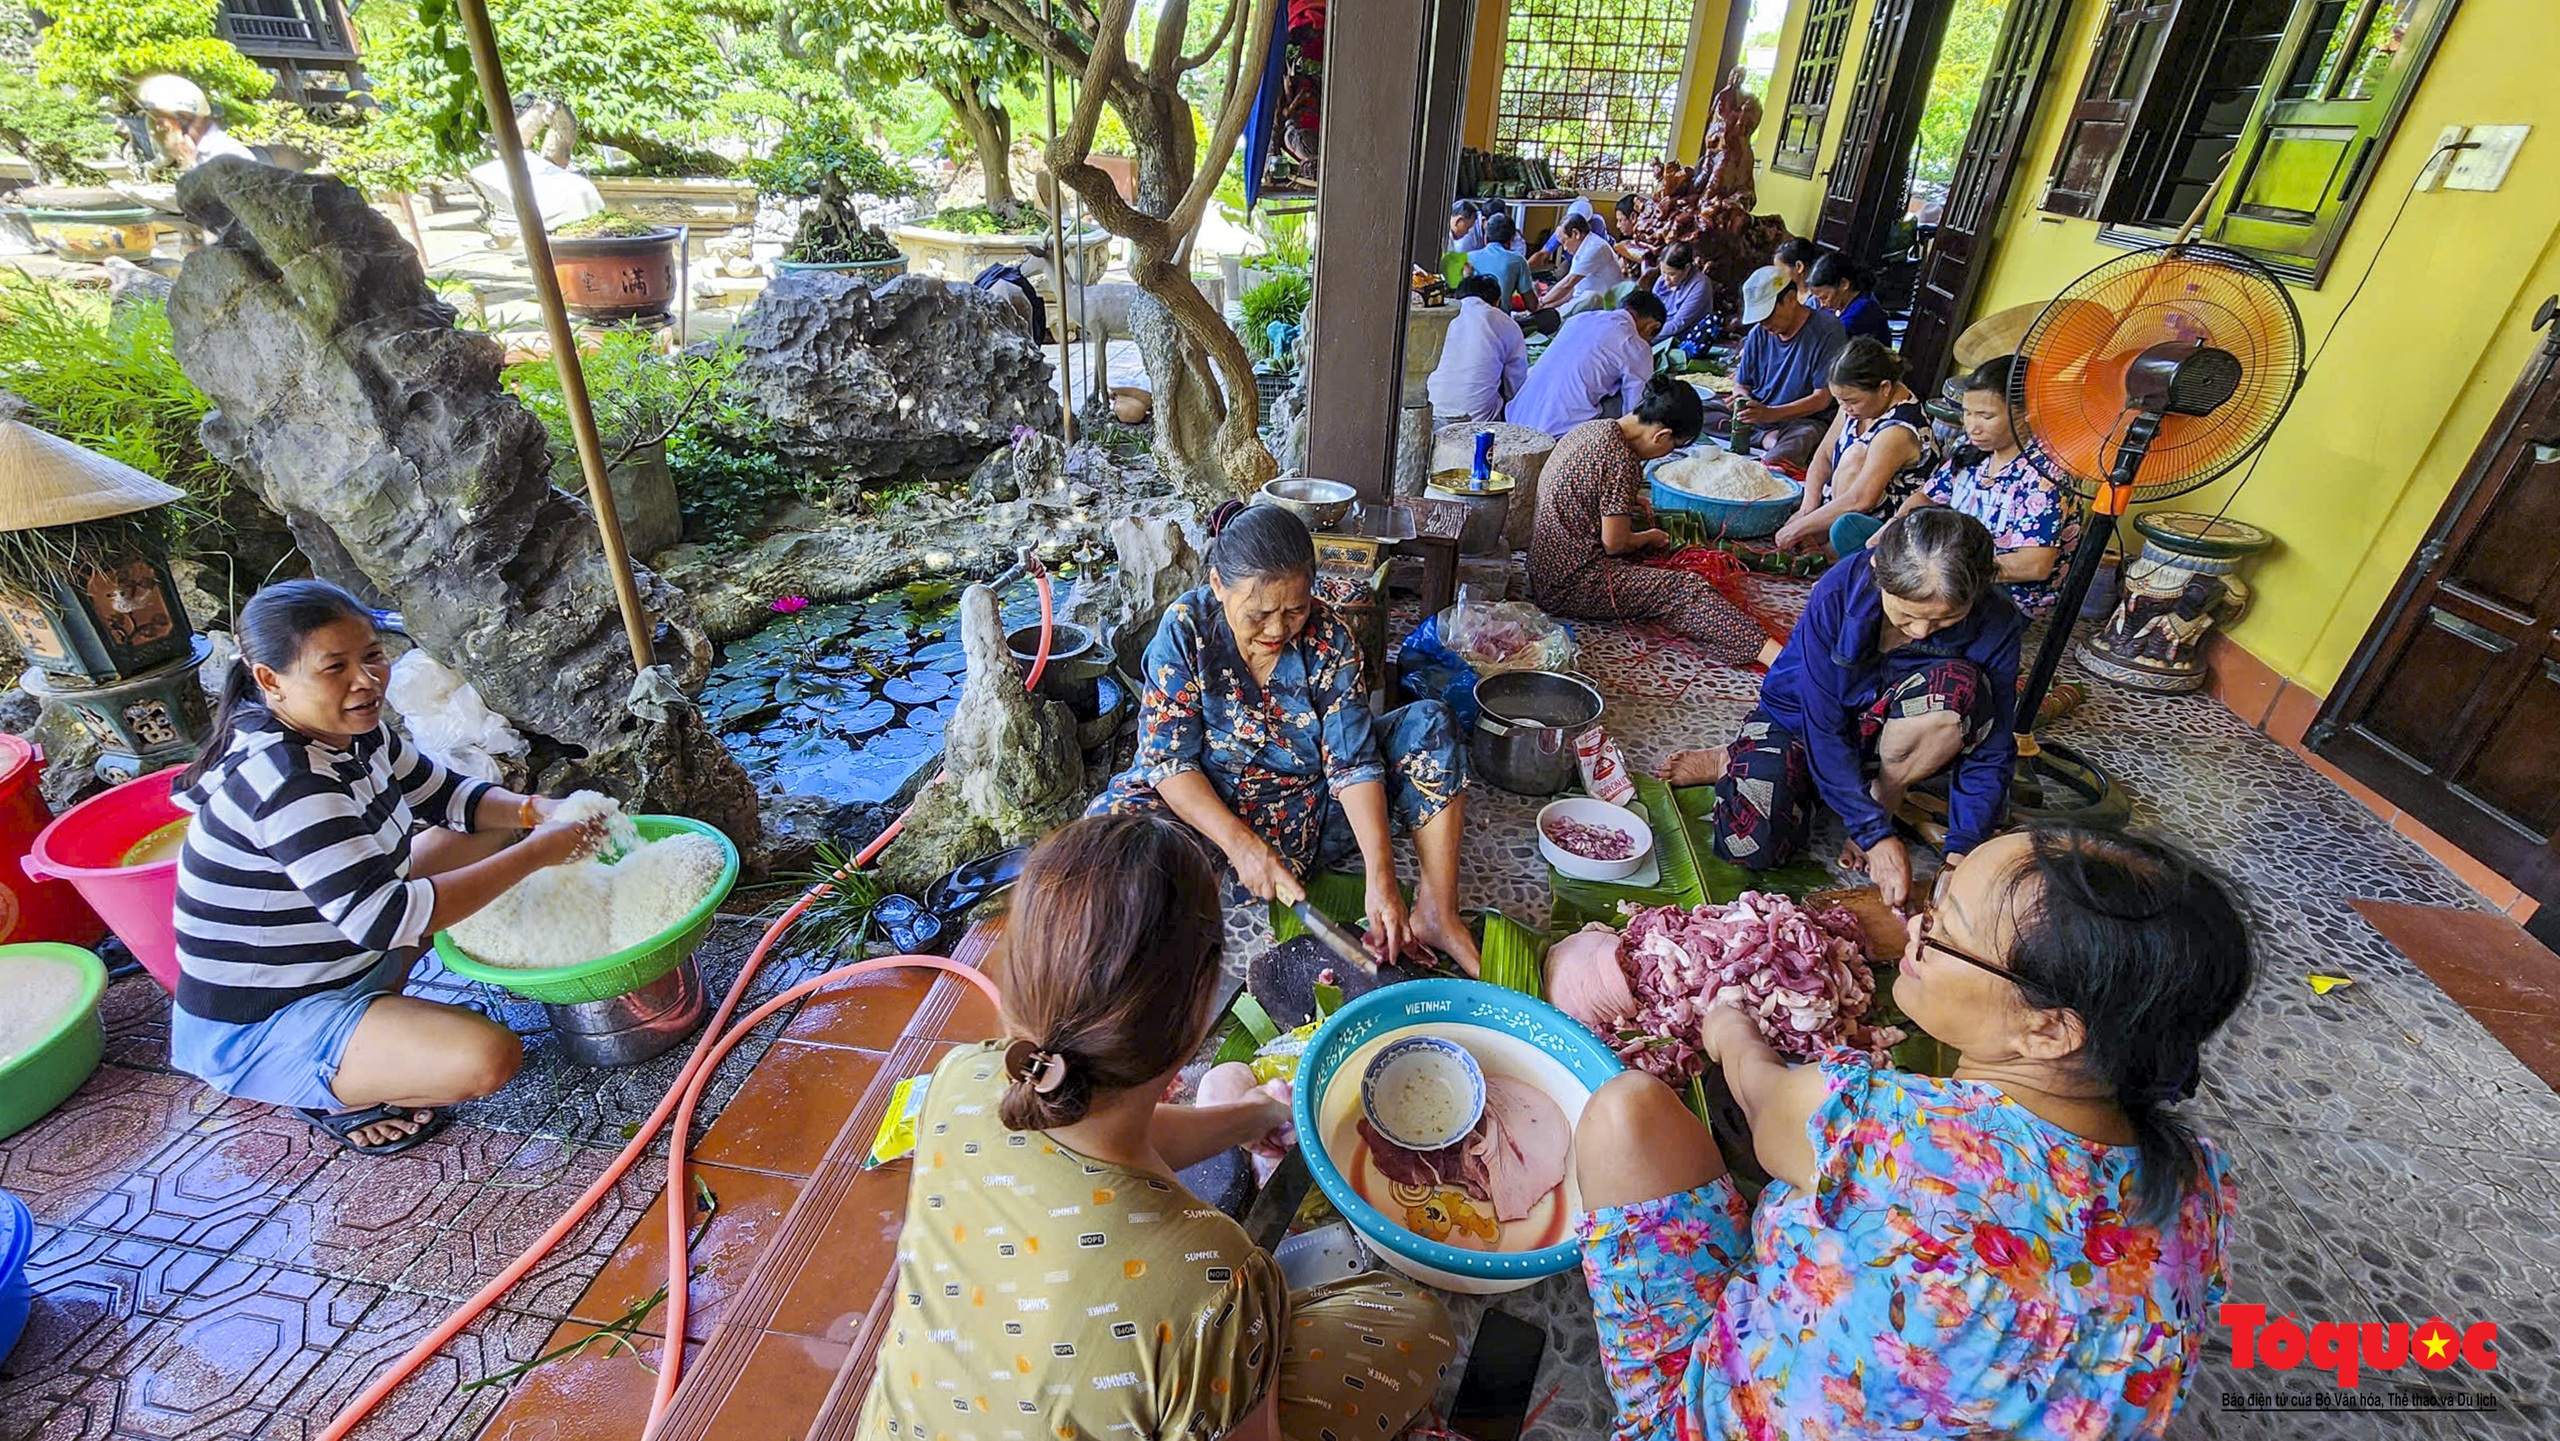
(2052, 781)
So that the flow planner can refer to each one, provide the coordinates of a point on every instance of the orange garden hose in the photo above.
(717, 1040)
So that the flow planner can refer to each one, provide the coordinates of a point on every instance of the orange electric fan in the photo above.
(2146, 378)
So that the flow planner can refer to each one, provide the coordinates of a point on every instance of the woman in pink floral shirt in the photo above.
(2029, 1249)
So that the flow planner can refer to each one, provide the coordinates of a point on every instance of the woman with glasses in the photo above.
(1904, 664)
(2030, 1248)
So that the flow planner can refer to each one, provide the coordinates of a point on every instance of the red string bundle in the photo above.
(1721, 570)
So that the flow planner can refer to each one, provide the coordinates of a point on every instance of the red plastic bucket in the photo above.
(139, 903)
(30, 909)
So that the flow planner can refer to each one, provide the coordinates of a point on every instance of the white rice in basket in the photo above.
(1721, 475)
(35, 994)
(568, 915)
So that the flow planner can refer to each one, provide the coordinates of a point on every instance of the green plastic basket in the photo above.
(626, 970)
(51, 1069)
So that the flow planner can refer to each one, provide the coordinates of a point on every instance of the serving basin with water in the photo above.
(1509, 1034)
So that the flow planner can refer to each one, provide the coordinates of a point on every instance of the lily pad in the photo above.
(922, 687)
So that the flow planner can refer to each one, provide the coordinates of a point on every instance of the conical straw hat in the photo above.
(46, 480)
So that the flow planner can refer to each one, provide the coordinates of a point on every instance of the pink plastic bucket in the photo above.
(84, 846)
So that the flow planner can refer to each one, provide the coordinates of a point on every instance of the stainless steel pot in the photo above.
(1526, 722)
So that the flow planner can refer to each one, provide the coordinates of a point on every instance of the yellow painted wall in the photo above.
(1484, 74)
(1698, 100)
(1798, 198)
(2404, 392)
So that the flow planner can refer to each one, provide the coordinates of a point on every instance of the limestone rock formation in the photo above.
(1011, 769)
(1157, 564)
(915, 377)
(382, 435)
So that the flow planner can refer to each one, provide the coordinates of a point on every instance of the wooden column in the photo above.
(1444, 104)
(1376, 54)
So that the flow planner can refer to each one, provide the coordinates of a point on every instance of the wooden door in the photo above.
(1871, 171)
(1952, 269)
(2450, 706)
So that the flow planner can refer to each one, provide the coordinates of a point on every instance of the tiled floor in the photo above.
(207, 1271)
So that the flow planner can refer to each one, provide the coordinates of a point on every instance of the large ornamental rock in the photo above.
(382, 435)
(1157, 564)
(915, 377)
(1012, 772)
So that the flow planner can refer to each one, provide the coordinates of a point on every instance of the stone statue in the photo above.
(1012, 771)
(408, 473)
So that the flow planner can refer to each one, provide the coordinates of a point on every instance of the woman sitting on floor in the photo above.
(2031, 1248)
(1904, 664)
(1875, 457)
(1054, 1277)
(1842, 285)
(2033, 524)
(1594, 517)
(1254, 729)
(304, 897)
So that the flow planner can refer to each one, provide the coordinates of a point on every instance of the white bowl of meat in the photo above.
(1593, 840)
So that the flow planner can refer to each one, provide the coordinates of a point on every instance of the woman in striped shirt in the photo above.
(303, 897)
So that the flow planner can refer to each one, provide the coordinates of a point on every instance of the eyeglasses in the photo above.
(1929, 942)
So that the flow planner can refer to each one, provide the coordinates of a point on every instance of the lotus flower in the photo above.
(789, 603)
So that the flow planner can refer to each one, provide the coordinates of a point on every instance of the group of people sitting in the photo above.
(2029, 1247)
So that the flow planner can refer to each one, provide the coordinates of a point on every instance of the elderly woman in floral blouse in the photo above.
(1255, 731)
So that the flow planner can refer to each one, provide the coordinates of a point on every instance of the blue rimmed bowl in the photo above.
(1508, 1033)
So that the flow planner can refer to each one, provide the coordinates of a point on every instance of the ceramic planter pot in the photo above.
(617, 277)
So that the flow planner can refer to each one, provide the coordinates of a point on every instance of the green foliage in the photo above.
(729, 485)
(56, 132)
(882, 44)
(1955, 87)
(833, 232)
(378, 151)
(824, 142)
(980, 220)
(108, 380)
(1281, 298)
(653, 161)
(100, 48)
(634, 71)
(608, 224)
(638, 395)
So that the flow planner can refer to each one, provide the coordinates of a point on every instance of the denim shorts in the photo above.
(291, 1058)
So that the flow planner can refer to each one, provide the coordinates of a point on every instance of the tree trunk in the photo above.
(991, 132)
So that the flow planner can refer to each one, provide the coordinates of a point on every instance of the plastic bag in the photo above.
(1429, 670)
(445, 716)
(1499, 636)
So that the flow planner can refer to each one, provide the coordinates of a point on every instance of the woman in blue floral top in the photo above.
(1254, 729)
(2032, 523)
(2032, 1248)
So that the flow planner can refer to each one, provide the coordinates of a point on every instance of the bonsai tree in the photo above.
(1208, 444)
(833, 232)
(56, 133)
(99, 50)
(880, 44)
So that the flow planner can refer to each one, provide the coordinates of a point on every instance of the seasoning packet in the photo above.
(1604, 768)
(897, 1137)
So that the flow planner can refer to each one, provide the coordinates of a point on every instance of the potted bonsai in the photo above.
(834, 236)
(959, 243)
(640, 398)
(613, 267)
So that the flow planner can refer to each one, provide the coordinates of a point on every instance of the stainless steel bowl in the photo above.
(1320, 503)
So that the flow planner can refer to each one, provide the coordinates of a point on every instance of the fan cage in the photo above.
(2069, 392)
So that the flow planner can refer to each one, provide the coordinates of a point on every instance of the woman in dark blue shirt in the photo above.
(1905, 664)
(1841, 285)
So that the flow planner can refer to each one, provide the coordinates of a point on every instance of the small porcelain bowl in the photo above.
(1423, 1093)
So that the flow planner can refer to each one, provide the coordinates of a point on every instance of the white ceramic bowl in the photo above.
(1423, 1092)
(1592, 811)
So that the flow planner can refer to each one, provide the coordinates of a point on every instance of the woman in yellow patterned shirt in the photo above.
(1054, 1279)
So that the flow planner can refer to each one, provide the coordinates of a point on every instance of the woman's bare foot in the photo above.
(384, 1132)
(1695, 768)
(1853, 856)
(1444, 930)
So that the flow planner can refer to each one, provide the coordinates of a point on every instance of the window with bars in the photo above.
(1592, 87)
(1826, 32)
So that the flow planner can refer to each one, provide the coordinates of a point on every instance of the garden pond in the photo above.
(846, 701)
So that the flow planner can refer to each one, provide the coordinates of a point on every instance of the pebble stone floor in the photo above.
(208, 1269)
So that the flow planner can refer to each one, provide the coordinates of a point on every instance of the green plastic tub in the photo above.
(52, 1068)
(625, 970)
